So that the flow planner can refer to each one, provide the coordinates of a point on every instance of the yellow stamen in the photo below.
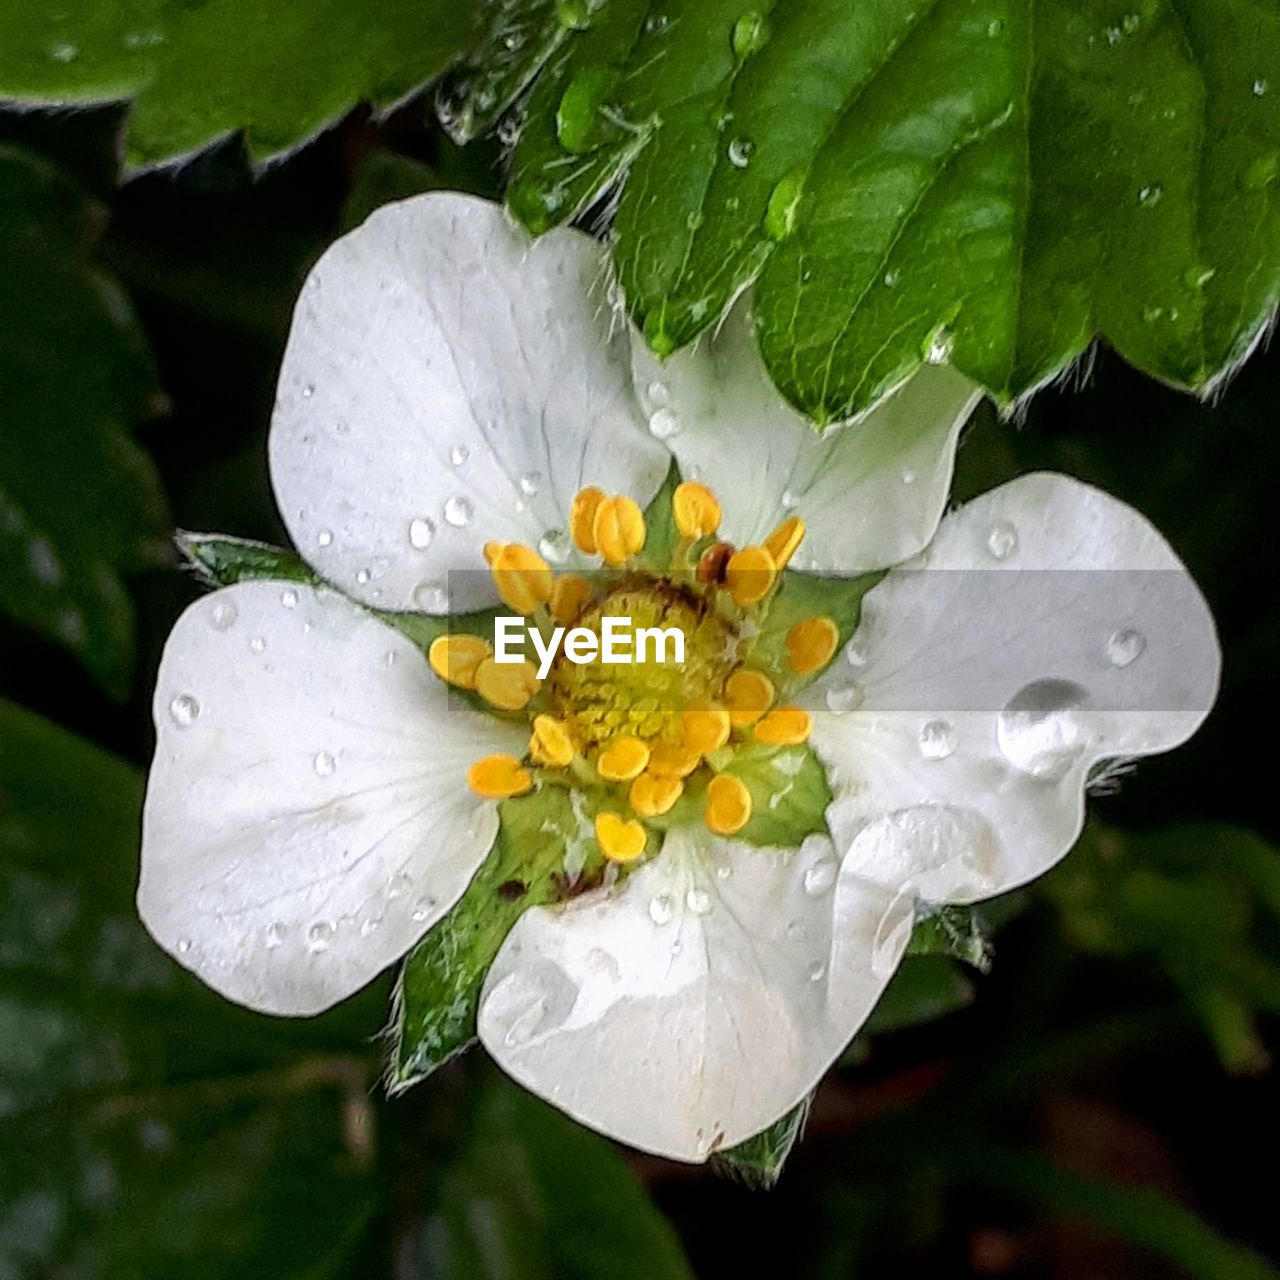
(704, 726)
(618, 530)
(695, 510)
(455, 658)
(713, 563)
(582, 518)
(651, 795)
(569, 595)
(748, 694)
(811, 643)
(550, 743)
(785, 727)
(749, 575)
(522, 576)
(623, 759)
(491, 550)
(506, 685)
(670, 760)
(781, 544)
(620, 839)
(728, 804)
(496, 777)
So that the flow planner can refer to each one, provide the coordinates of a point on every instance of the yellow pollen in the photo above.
(623, 759)
(749, 575)
(728, 804)
(671, 760)
(582, 518)
(620, 839)
(704, 726)
(811, 643)
(455, 658)
(550, 743)
(785, 727)
(651, 795)
(506, 685)
(713, 563)
(618, 529)
(569, 595)
(781, 544)
(695, 510)
(522, 576)
(748, 694)
(496, 777)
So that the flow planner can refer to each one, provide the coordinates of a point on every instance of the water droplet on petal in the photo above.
(819, 876)
(529, 483)
(431, 596)
(1039, 729)
(324, 764)
(663, 424)
(816, 971)
(937, 739)
(222, 616)
(459, 454)
(369, 926)
(844, 697)
(398, 885)
(908, 475)
(1002, 540)
(363, 576)
(275, 934)
(422, 910)
(289, 598)
(457, 511)
(1125, 646)
(553, 546)
(184, 945)
(184, 710)
(789, 500)
(320, 935)
(661, 909)
(421, 531)
(854, 655)
(257, 644)
(659, 393)
(698, 901)
(325, 537)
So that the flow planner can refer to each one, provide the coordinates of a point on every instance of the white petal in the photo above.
(447, 382)
(307, 816)
(1050, 628)
(871, 492)
(698, 1002)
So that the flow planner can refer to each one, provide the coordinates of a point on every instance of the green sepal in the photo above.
(956, 931)
(758, 1161)
(659, 523)
(926, 986)
(789, 793)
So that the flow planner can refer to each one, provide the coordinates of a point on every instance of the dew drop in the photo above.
(1125, 646)
(937, 347)
(308, 391)
(1262, 172)
(457, 511)
(369, 926)
(398, 885)
(854, 655)
(459, 454)
(257, 644)
(1150, 194)
(184, 945)
(430, 596)
(750, 34)
(529, 483)
(422, 910)
(320, 935)
(1260, 87)
(844, 697)
(891, 278)
(1039, 729)
(908, 475)
(325, 538)
(1002, 540)
(819, 876)
(698, 901)
(289, 598)
(937, 739)
(659, 393)
(663, 424)
(64, 52)
(275, 934)
(995, 27)
(222, 616)
(553, 546)
(661, 909)
(184, 710)
(1198, 277)
(362, 577)
(740, 150)
(816, 971)
(421, 531)
(324, 764)
(789, 500)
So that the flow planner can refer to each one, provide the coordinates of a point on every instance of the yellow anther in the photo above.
(618, 530)
(748, 695)
(749, 575)
(455, 658)
(569, 595)
(785, 727)
(651, 794)
(506, 685)
(811, 644)
(496, 777)
(550, 743)
(704, 726)
(728, 804)
(623, 759)
(695, 510)
(781, 544)
(620, 839)
(522, 576)
(582, 518)
(714, 562)
(671, 760)
(491, 550)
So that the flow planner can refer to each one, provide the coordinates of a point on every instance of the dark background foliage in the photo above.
(1097, 1107)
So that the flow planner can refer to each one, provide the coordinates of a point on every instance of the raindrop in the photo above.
(740, 151)
(308, 391)
(64, 52)
(1198, 277)
(995, 27)
(325, 537)
(1002, 540)
(457, 511)
(937, 739)
(750, 34)
(659, 393)
(656, 23)
(1125, 646)
(908, 475)
(819, 876)
(661, 909)
(398, 886)
(184, 710)
(790, 500)
(844, 697)
(1151, 314)
(324, 764)
(853, 654)
(257, 644)
(430, 596)
(698, 901)
(421, 531)
(1150, 194)
(529, 483)
(1262, 172)
(363, 576)
(937, 347)
(369, 926)
(320, 935)
(289, 598)
(553, 546)
(275, 934)
(816, 971)
(1260, 86)
(184, 945)
(891, 278)
(663, 424)
(1039, 730)
(459, 454)
(222, 616)
(422, 910)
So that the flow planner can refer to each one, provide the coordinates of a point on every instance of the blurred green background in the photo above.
(1097, 1106)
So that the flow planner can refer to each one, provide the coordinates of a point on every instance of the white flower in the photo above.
(320, 797)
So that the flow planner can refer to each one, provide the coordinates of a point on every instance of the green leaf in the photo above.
(758, 1161)
(533, 1196)
(978, 178)
(925, 987)
(956, 931)
(198, 72)
(80, 503)
(789, 794)
(438, 992)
